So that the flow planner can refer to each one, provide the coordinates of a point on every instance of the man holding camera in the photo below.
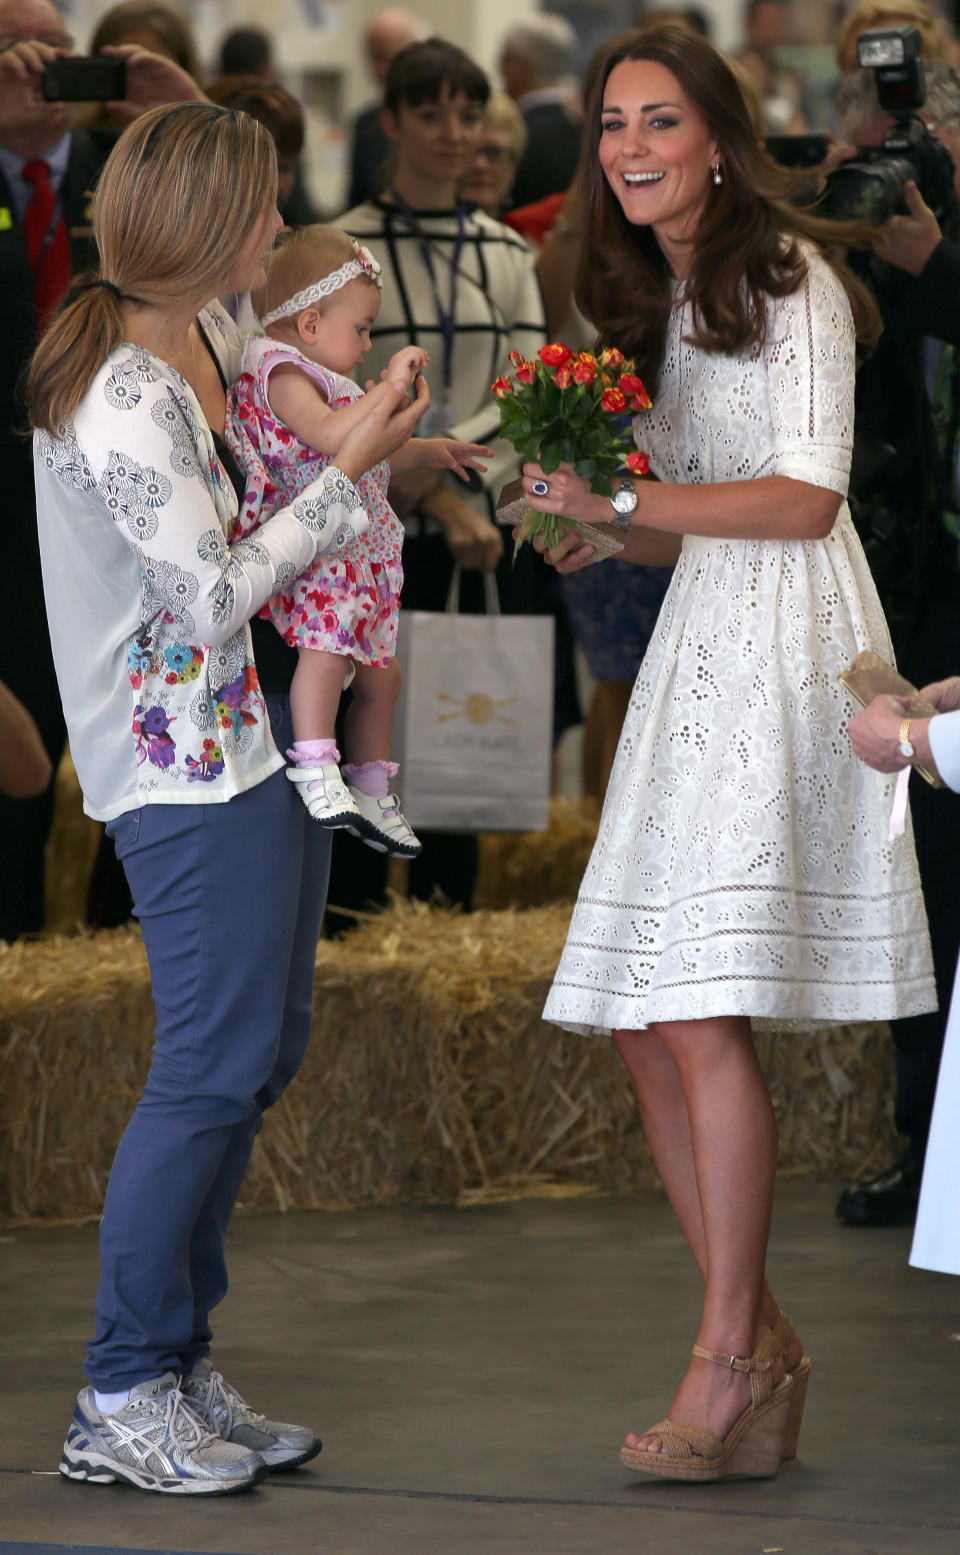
(47, 171)
(904, 482)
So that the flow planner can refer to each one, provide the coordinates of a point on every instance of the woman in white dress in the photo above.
(742, 868)
(878, 736)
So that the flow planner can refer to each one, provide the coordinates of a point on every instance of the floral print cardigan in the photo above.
(148, 600)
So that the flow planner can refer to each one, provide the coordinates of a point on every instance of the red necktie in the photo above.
(48, 246)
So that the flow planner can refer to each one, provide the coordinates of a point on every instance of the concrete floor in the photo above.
(473, 1372)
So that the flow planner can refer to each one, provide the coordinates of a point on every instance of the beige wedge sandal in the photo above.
(751, 1449)
(782, 1334)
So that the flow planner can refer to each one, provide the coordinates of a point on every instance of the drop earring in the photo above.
(717, 175)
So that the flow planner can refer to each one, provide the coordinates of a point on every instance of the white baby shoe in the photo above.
(382, 825)
(326, 795)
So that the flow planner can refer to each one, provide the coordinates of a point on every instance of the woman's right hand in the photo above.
(566, 493)
(390, 420)
(944, 694)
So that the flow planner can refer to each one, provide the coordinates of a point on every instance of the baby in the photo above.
(287, 415)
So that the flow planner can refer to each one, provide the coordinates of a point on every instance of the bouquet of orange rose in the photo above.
(569, 408)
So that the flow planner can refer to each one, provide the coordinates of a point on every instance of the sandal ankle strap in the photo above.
(745, 1363)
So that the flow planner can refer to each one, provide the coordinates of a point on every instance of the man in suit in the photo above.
(536, 63)
(48, 169)
(389, 32)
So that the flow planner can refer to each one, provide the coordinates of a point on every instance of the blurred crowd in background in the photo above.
(792, 55)
(516, 169)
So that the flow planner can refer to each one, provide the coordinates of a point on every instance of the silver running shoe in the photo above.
(281, 1446)
(156, 1442)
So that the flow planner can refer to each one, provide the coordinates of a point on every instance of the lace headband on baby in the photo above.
(363, 264)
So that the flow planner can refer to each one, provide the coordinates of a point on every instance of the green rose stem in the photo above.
(535, 523)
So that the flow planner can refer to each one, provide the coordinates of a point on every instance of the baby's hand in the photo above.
(445, 453)
(404, 365)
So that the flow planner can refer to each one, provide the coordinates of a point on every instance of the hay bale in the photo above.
(71, 849)
(430, 1076)
(535, 869)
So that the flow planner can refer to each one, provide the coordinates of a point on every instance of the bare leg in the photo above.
(601, 734)
(666, 1123)
(315, 693)
(369, 723)
(733, 1142)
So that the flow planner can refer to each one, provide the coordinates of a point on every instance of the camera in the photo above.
(797, 150)
(85, 79)
(870, 187)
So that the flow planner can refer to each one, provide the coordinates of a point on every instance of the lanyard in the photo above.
(447, 316)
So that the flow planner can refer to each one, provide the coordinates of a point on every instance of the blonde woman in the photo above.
(176, 723)
(488, 179)
(938, 43)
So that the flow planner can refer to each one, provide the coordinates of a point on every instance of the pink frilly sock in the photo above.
(313, 753)
(371, 777)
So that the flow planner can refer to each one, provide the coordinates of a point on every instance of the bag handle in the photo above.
(491, 598)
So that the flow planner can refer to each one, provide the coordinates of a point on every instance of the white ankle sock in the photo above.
(109, 1403)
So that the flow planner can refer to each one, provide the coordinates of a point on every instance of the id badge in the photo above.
(437, 420)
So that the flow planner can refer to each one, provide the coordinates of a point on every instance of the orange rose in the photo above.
(611, 357)
(613, 400)
(638, 463)
(526, 371)
(554, 355)
(502, 387)
(563, 377)
(585, 369)
(515, 358)
(631, 385)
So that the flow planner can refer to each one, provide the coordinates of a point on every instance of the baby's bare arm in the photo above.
(297, 401)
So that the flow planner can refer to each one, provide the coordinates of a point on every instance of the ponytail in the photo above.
(78, 341)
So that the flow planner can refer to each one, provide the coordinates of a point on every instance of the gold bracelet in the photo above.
(903, 736)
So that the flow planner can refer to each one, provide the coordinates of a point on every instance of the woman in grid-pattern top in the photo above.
(464, 287)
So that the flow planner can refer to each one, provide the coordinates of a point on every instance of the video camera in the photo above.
(870, 187)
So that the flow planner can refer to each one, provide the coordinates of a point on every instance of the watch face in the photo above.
(906, 749)
(625, 500)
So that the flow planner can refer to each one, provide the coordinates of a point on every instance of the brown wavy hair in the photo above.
(747, 247)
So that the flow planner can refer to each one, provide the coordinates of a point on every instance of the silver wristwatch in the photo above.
(623, 502)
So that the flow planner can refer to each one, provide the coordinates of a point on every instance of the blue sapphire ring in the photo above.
(540, 488)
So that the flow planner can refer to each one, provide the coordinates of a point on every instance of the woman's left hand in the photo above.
(875, 733)
(570, 554)
(567, 493)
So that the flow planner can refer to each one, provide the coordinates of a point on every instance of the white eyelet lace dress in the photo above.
(742, 865)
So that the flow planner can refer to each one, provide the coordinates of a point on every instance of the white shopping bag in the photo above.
(473, 729)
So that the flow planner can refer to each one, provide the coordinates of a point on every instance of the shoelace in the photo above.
(217, 1387)
(179, 1413)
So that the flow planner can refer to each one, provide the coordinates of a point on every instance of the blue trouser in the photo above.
(230, 899)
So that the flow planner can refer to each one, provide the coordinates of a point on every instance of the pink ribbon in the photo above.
(898, 815)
